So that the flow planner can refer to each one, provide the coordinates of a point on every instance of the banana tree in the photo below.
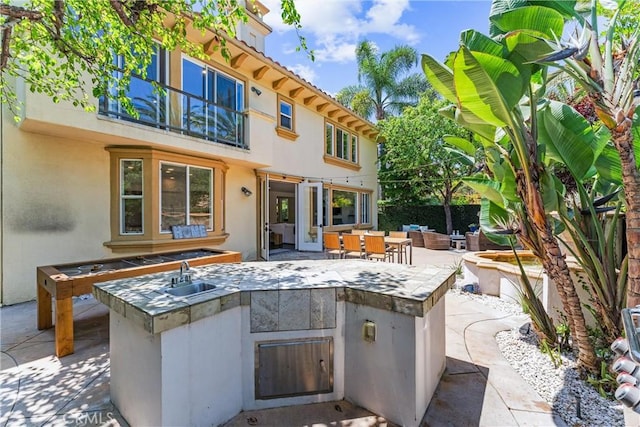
(588, 154)
(608, 72)
(494, 89)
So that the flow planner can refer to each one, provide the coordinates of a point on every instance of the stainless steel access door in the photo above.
(294, 367)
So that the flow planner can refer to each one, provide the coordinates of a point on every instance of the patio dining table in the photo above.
(399, 243)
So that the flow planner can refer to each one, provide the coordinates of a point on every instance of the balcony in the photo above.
(168, 108)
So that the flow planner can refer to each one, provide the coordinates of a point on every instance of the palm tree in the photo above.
(381, 90)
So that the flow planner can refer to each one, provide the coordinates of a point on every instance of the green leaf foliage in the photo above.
(67, 50)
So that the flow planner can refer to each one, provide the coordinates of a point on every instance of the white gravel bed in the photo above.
(560, 387)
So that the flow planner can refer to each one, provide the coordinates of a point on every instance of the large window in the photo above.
(131, 196)
(150, 105)
(186, 194)
(343, 207)
(346, 207)
(340, 144)
(213, 105)
(154, 190)
(207, 104)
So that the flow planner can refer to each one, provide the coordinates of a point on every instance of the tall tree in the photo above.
(385, 82)
(415, 163)
(607, 69)
(495, 91)
(66, 49)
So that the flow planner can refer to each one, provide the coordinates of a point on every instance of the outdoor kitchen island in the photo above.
(275, 334)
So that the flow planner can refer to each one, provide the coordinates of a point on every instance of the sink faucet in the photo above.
(185, 276)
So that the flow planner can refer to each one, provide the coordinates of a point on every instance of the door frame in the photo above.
(305, 224)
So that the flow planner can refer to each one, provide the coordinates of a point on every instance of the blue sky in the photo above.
(334, 27)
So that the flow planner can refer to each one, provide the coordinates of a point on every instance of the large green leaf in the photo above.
(568, 136)
(608, 165)
(528, 45)
(487, 188)
(463, 144)
(478, 42)
(549, 194)
(500, 7)
(459, 157)
(493, 217)
(488, 86)
(440, 77)
(485, 130)
(538, 19)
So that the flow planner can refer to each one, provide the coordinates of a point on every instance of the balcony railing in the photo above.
(180, 112)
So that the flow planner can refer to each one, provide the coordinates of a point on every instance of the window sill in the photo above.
(151, 246)
(286, 133)
(342, 163)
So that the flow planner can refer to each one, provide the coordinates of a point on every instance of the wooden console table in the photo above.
(62, 282)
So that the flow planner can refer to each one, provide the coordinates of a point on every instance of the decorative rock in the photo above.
(573, 399)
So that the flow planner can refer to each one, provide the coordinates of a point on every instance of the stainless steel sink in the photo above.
(181, 290)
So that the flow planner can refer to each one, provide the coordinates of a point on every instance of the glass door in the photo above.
(263, 225)
(309, 222)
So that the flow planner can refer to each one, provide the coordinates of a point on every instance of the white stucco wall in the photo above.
(201, 371)
(136, 366)
(241, 212)
(56, 206)
(430, 355)
(389, 361)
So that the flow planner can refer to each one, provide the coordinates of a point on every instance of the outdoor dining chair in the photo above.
(332, 246)
(375, 248)
(352, 246)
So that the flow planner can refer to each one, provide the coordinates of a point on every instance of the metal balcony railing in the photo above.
(178, 111)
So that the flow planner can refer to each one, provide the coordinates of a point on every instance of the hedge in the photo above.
(393, 217)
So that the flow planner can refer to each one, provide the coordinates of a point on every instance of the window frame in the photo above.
(212, 195)
(284, 132)
(123, 197)
(361, 194)
(210, 89)
(344, 146)
(152, 238)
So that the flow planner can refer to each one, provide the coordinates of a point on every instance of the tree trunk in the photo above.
(447, 216)
(556, 266)
(623, 140)
(553, 261)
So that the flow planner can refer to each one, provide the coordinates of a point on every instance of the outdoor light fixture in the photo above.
(256, 90)
(246, 191)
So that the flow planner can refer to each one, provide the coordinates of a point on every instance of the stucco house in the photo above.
(246, 148)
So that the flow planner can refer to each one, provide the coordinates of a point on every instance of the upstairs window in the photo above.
(329, 138)
(286, 115)
(286, 127)
(213, 104)
(341, 146)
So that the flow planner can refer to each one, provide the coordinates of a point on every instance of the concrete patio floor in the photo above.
(479, 387)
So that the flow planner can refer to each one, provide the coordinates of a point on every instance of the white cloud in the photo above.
(304, 71)
(333, 27)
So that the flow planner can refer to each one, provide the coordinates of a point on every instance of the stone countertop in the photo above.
(405, 289)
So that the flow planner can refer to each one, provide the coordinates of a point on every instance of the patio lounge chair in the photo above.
(480, 242)
(433, 240)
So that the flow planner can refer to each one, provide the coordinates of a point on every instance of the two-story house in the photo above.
(245, 147)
